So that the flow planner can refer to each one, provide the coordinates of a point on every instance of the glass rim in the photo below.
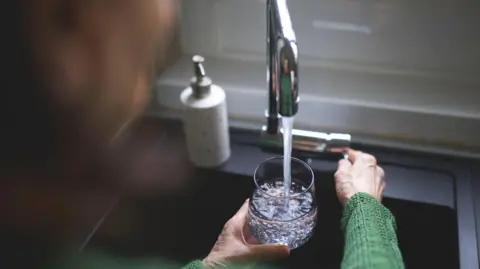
(292, 159)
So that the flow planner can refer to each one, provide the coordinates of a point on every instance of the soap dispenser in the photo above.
(205, 120)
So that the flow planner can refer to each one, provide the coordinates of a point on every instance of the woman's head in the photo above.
(78, 71)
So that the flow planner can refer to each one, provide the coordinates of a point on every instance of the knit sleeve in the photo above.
(370, 235)
(194, 265)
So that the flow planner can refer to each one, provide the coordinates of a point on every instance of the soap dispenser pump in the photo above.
(205, 120)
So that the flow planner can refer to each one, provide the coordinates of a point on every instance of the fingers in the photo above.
(361, 157)
(344, 167)
(379, 172)
(383, 185)
(353, 155)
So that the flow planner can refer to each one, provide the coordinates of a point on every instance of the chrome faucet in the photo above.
(282, 72)
(282, 84)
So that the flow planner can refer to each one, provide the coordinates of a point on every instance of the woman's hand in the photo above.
(360, 173)
(236, 244)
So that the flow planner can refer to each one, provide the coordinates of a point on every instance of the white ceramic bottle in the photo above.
(205, 121)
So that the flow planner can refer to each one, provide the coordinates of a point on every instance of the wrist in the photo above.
(210, 262)
(360, 195)
(206, 263)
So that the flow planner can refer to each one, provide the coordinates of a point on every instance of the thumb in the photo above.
(242, 212)
(269, 252)
(343, 171)
(238, 220)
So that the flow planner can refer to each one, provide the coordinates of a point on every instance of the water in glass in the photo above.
(275, 220)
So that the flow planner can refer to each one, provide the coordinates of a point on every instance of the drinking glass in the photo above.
(276, 218)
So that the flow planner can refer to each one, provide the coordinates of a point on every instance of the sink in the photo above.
(185, 226)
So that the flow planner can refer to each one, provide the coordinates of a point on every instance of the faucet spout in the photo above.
(282, 64)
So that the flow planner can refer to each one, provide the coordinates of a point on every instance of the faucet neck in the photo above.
(282, 64)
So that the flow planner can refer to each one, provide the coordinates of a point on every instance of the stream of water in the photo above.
(287, 126)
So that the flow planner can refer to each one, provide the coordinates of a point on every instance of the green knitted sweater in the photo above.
(370, 243)
(370, 239)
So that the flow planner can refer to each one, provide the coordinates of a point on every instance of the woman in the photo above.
(80, 71)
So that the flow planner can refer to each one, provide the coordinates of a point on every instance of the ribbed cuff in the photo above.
(371, 212)
(370, 205)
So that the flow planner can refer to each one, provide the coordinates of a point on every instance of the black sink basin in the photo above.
(185, 226)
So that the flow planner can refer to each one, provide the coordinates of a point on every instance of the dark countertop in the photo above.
(163, 210)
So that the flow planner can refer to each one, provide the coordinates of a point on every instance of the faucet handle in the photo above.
(324, 145)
